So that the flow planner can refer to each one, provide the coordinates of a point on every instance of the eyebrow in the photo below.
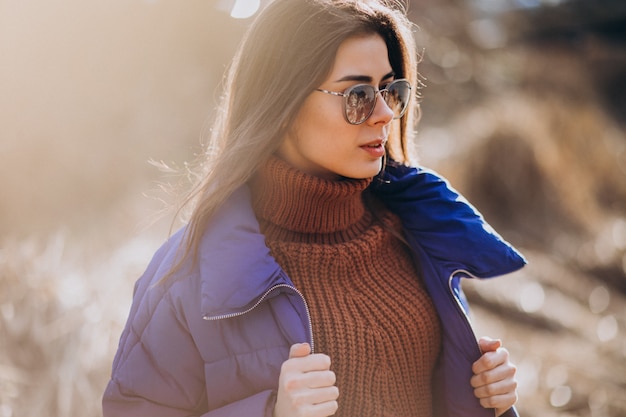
(364, 78)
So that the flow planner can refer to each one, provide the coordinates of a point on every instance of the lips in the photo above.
(375, 143)
(375, 148)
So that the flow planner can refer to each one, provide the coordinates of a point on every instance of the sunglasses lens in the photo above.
(397, 97)
(359, 101)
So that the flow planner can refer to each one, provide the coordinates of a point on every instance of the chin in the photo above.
(363, 172)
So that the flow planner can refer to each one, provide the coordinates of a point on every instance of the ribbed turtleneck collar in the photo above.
(293, 201)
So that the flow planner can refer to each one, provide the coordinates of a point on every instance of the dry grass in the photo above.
(545, 164)
(60, 318)
(90, 93)
(88, 101)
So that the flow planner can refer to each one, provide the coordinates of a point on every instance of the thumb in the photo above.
(488, 344)
(299, 350)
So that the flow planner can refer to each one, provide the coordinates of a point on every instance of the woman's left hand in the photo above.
(494, 377)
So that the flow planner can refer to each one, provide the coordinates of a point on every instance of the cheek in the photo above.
(320, 127)
(320, 112)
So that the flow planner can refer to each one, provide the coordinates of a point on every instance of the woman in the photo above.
(319, 274)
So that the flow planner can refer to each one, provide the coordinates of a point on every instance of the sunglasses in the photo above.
(359, 100)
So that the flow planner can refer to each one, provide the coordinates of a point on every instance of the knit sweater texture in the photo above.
(369, 309)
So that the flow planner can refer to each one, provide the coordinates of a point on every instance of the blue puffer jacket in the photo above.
(213, 336)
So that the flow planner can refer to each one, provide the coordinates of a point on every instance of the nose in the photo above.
(382, 112)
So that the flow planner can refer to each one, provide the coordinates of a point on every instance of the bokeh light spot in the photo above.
(607, 328)
(599, 299)
(487, 34)
(619, 233)
(244, 9)
(560, 396)
(532, 297)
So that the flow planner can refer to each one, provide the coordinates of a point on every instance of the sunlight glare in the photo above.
(244, 9)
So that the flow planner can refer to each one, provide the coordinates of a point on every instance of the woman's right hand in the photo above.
(306, 386)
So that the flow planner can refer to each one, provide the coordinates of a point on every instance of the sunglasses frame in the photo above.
(385, 90)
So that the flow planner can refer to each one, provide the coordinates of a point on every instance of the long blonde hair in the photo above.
(288, 51)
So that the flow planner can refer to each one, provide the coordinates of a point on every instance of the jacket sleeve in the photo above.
(511, 412)
(116, 404)
(261, 404)
(158, 370)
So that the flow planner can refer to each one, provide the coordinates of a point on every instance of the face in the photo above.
(321, 142)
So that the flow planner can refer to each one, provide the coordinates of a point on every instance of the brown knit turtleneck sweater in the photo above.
(370, 311)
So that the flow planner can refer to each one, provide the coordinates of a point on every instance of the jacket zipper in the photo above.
(462, 310)
(457, 302)
(260, 300)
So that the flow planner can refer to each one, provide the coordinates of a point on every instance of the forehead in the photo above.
(364, 55)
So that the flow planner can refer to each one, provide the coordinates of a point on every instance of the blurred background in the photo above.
(524, 110)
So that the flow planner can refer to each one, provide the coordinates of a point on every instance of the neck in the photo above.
(294, 201)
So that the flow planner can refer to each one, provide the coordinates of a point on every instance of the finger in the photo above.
(315, 402)
(324, 409)
(307, 397)
(299, 350)
(501, 387)
(310, 388)
(320, 379)
(300, 371)
(488, 344)
(490, 360)
(500, 373)
(500, 402)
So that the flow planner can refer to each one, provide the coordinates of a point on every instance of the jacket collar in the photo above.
(236, 267)
(444, 223)
(234, 264)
